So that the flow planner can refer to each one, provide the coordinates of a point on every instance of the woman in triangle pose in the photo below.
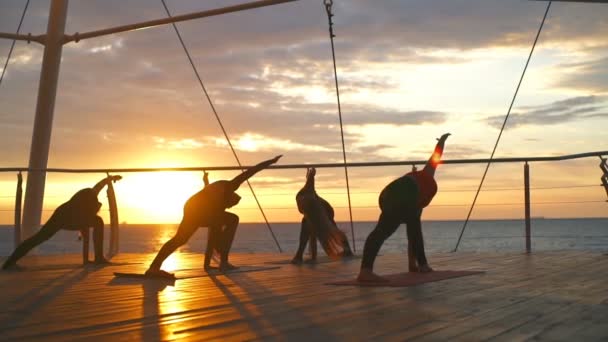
(402, 201)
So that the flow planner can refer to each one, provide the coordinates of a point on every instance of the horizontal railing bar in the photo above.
(303, 166)
(177, 18)
(24, 37)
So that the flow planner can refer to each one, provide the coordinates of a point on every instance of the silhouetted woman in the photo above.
(78, 214)
(207, 208)
(400, 202)
(318, 223)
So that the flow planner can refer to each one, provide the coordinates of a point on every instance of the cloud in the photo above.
(268, 71)
(576, 108)
(590, 76)
(180, 144)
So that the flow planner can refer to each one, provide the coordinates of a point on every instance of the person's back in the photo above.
(214, 198)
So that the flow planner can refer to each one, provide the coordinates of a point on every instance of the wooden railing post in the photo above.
(18, 201)
(114, 226)
(527, 205)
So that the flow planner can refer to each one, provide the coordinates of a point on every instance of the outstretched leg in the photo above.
(416, 243)
(304, 236)
(45, 233)
(387, 225)
(231, 221)
(184, 232)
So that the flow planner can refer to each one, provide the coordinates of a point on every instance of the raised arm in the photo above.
(238, 180)
(97, 188)
(435, 159)
(206, 178)
(310, 179)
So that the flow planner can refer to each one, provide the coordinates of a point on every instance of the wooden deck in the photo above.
(543, 296)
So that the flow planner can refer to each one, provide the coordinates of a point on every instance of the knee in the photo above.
(98, 222)
(231, 219)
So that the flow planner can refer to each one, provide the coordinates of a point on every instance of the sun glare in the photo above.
(158, 197)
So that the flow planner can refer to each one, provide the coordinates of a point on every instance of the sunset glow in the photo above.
(408, 72)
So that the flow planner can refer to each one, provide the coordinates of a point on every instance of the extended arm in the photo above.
(310, 179)
(206, 178)
(238, 180)
(435, 159)
(97, 188)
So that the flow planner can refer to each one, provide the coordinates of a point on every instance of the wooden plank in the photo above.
(545, 295)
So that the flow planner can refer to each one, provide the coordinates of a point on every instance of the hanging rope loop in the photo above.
(328, 6)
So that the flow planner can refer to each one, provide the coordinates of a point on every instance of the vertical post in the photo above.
(43, 122)
(527, 205)
(113, 249)
(18, 200)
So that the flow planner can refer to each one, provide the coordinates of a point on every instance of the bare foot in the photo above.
(101, 261)
(368, 276)
(210, 268)
(296, 261)
(12, 267)
(227, 267)
(310, 261)
(425, 269)
(159, 274)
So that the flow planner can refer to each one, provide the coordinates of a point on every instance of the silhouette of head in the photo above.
(232, 199)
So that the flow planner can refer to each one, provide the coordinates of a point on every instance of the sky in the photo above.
(408, 72)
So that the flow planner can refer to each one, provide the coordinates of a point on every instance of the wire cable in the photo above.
(503, 124)
(200, 81)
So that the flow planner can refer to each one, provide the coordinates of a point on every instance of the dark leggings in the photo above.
(387, 225)
(221, 239)
(397, 208)
(307, 233)
(49, 229)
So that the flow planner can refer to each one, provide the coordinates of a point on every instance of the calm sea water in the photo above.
(439, 236)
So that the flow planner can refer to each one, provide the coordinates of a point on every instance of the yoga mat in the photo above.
(54, 267)
(197, 273)
(408, 279)
(320, 260)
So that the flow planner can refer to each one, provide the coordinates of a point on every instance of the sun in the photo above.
(158, 196)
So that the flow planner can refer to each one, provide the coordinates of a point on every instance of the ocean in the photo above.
(589, 234)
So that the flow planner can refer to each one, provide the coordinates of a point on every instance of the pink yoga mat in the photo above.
(409, 279)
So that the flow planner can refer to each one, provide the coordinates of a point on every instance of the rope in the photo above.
(328, 5)
(200, 81)
(10, 51)
(503, 124)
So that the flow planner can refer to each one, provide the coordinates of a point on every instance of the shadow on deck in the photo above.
(546, 296)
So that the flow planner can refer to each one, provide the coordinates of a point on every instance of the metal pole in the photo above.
(24, 37)
(43, 122)
(317, 165)
(151, 23)
(527, 205)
